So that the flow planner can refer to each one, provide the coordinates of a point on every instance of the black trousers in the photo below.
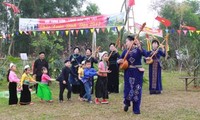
(62, 88)
(101, 87)
(38, 79)
(82, 89)
(12, 93)
(25, 98)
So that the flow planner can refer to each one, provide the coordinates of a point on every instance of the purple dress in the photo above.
(155, 80)
(133, 78)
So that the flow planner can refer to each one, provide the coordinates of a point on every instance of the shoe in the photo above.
(97, 101)
(68, 99)
(60, 101)
(81, 99)
(31, 103)
(136, 113)
(104, 101)
(125, 108)
(90, 101)
(50, 101)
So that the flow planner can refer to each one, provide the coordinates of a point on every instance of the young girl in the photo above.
(101, 84)
(43, 90)
(25, 98)
(13, 80)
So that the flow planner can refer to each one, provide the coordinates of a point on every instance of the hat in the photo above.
(102, 54)
(83, 62)
(26, 66)
(66, 61)
(12, 64)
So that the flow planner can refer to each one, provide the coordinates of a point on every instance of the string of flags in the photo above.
(65, 32)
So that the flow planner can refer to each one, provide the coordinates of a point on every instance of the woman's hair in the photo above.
(77, 48)
(112, 44)
(8, 74)
(89, 49)
(130, 37)
(155, 41)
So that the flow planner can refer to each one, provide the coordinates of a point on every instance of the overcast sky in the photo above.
(142, 10)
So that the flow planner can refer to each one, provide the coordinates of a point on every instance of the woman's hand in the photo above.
(120, 61)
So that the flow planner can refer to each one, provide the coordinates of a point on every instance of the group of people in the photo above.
(77, 75)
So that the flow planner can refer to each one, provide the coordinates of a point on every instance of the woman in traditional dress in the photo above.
(155, 79)
(25, 98)
(76, 60)
(133, 75)
(13, 80)
(113, 77)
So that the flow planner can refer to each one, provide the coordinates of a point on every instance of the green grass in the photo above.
(173, 104)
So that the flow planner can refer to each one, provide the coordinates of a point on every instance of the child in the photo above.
(89, 73)
(64, 82)
(81, 70)
(101, 84)
(13, 80)
(43, 90)
(25, 98)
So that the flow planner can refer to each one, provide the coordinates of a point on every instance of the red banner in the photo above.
(100, 21)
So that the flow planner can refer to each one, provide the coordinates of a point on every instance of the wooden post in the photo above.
(69, 42)
(94, 41)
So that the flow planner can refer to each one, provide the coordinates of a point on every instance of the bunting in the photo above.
(81, 32)
(103, 30)
(66, 32)
(108, 29)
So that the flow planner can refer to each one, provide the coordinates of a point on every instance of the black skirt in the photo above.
(101, 87)
(25, 97)
(113, 79)
(13, 93)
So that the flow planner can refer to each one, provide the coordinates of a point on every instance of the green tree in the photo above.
(182, 13)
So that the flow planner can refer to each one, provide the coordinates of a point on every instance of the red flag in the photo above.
(15, 8)
(188, 27)
(131, 3)
(164, 21)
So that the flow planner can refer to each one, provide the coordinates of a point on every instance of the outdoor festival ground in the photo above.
(173, 104)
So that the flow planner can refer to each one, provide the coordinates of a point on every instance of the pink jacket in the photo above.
(13, 77)
(45, 78)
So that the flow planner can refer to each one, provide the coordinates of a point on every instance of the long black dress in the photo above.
(75, 59)
(113, 77)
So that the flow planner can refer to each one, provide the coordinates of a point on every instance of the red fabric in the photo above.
(188, 27)
(15, 8)
(164, 21)
(131, 3)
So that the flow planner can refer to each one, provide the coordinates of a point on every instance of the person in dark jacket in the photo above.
(64, 80)
(38, 65)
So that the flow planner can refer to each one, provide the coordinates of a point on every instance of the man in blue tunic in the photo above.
(133, 75)
(155, 80)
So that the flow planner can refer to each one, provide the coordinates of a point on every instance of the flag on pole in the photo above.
(14, 8)
(188, 27)
(164, 21)
(131, 3)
